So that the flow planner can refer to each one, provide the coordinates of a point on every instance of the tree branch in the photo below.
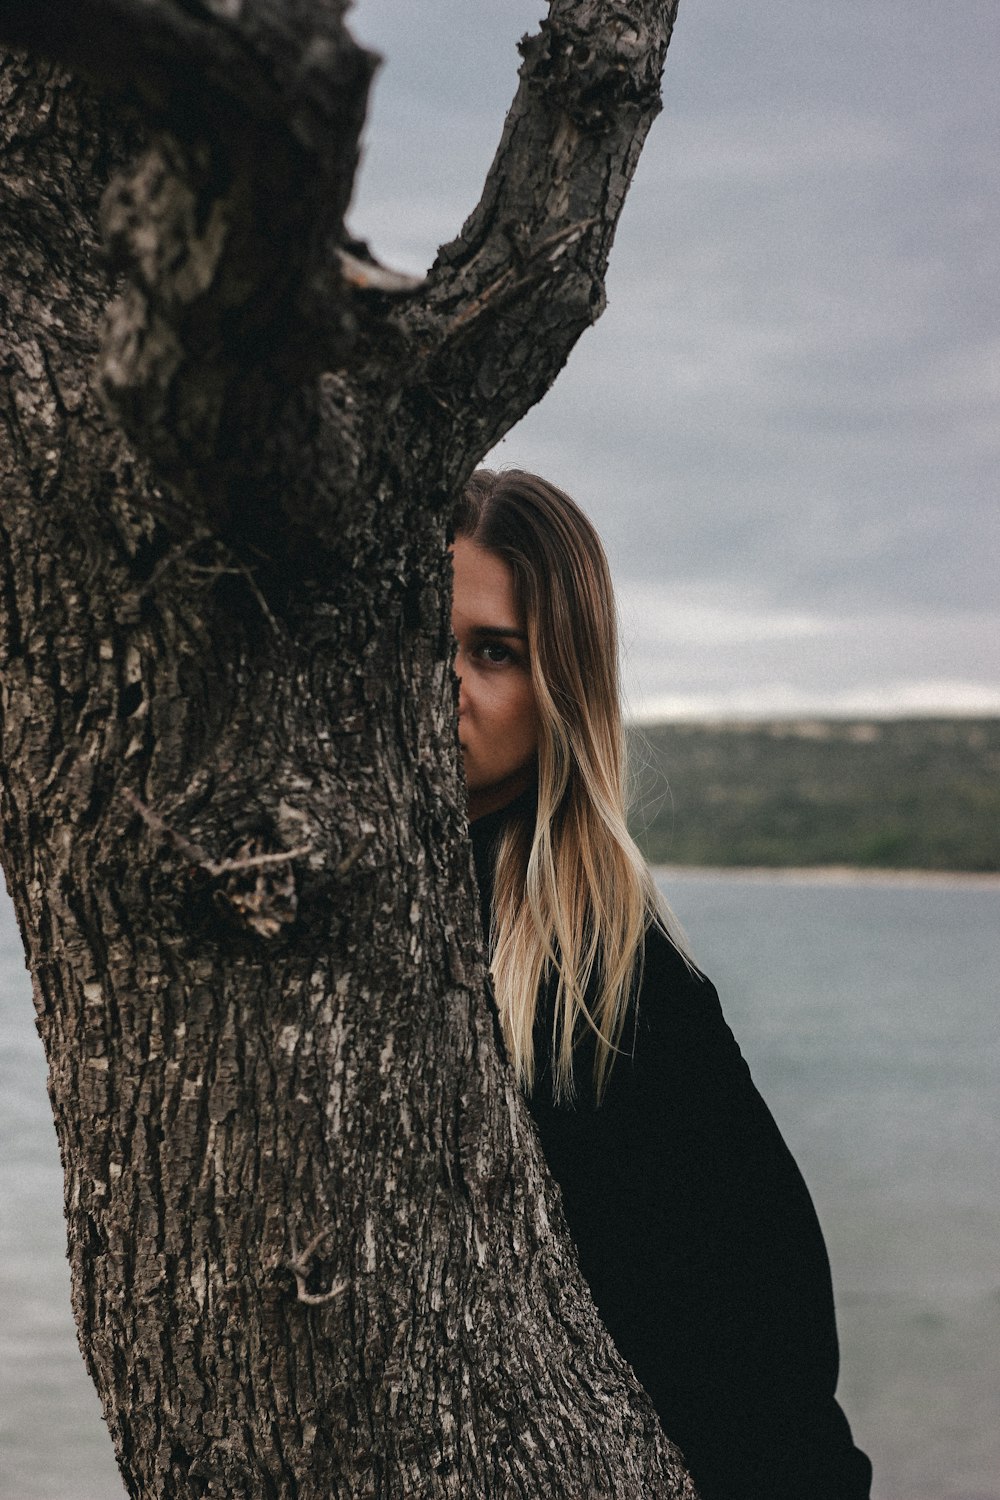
(506, 301)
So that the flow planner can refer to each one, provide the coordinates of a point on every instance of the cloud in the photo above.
(731, 655)
(793, 142)
(787, 419)
(900, 699)
(675, 616)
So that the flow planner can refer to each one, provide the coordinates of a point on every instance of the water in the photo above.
(53, 1444)
(867, 1011)
(868, 1014)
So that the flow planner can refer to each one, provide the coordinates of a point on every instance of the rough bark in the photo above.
(314, 1250)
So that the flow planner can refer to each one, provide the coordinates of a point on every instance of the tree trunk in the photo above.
(314, 1249)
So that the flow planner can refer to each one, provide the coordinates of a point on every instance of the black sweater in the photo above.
(699, 1239)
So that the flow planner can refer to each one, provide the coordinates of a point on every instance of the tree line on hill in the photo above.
(920, 794)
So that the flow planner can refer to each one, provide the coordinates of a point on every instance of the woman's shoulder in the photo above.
(674, 1043)
(673, 992)
(676, 1027)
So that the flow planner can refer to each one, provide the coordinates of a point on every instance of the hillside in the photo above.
(918, 794)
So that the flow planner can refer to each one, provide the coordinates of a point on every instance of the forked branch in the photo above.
(244, 286)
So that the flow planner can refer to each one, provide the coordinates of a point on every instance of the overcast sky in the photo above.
(786, 424)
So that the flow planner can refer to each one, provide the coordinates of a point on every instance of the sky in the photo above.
(786, 424)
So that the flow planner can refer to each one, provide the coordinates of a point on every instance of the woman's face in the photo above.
(497, 712)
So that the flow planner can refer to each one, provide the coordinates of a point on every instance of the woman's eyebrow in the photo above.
(499, 630)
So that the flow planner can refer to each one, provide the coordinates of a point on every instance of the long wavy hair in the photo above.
(572, 897)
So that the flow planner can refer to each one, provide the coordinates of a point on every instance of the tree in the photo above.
(314, 1250)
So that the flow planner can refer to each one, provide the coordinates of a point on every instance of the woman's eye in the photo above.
(496, 654)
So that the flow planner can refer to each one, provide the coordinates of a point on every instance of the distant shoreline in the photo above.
(877, 799)
(830, 875)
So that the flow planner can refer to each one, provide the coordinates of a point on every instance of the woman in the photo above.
(692, 1223)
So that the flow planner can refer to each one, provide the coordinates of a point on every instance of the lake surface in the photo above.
(868, 1012)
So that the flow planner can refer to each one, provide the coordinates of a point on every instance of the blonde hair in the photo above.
(572, 895)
